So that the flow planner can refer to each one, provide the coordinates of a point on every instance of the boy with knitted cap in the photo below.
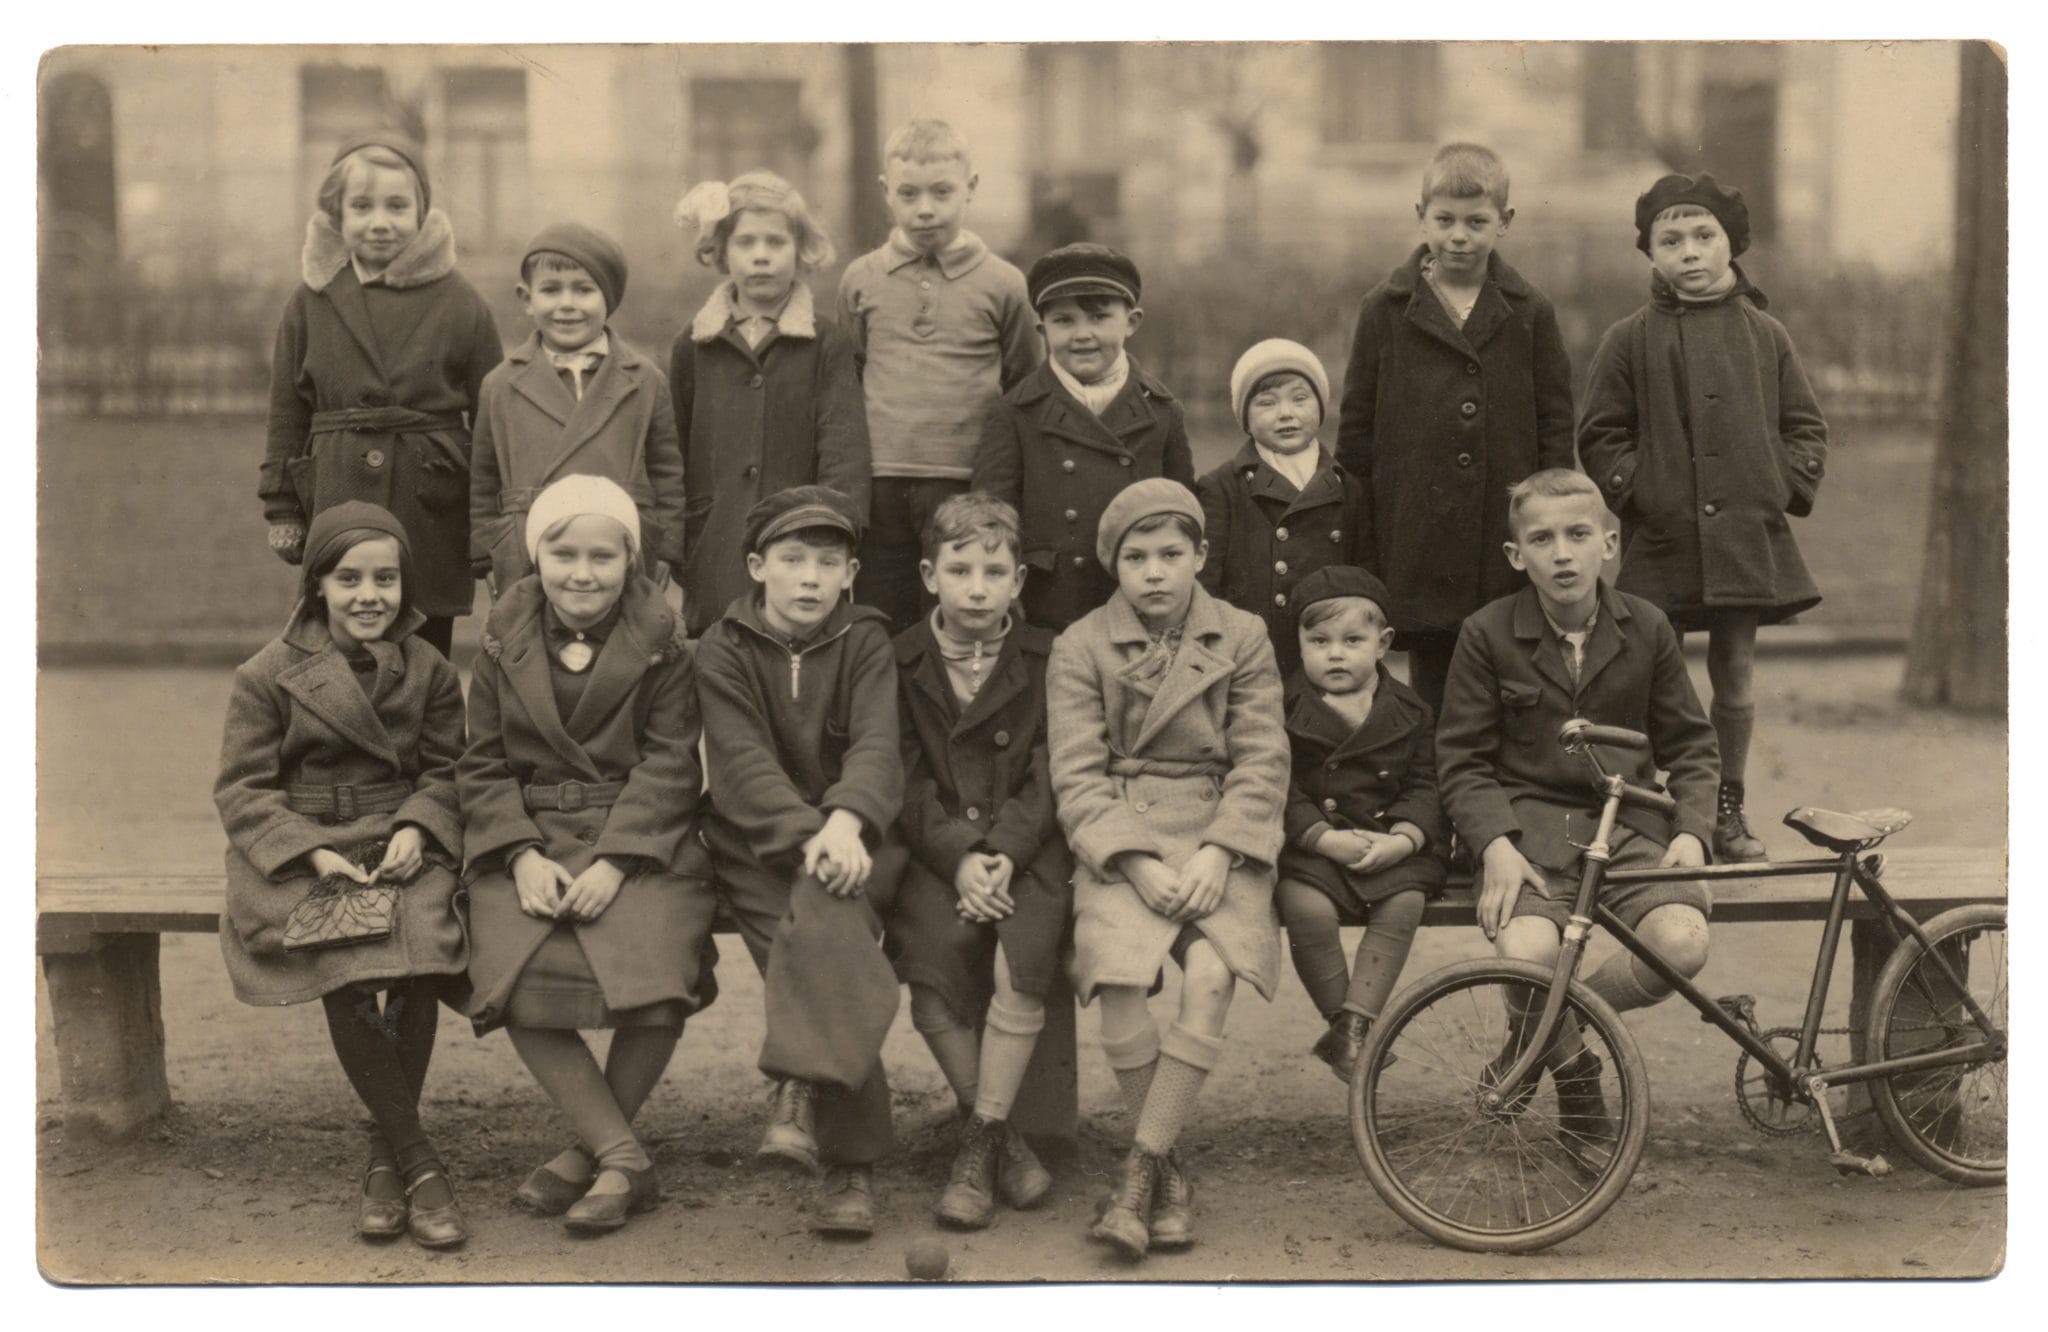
(1703, 433)
(1087, 423)
(805, 766)
(573, 398)
(1458, 387)
(1282, 508)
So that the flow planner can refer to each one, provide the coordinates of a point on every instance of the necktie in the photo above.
(578, 364)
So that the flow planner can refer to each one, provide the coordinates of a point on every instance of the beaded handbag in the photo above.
(337, 911)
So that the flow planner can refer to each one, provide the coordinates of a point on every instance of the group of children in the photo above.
(973, 683)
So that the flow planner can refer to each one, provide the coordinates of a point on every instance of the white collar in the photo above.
(1103, 391)
(1300, 468)
(601, 345)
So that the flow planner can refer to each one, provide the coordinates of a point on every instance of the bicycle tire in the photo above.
(1952, 1121)
(1516, 1182)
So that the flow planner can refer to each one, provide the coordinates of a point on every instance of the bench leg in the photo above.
(1048, 1102)
(107, 1007)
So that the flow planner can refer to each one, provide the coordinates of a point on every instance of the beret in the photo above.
(792, 510)
(1271, 357)
(331, 523)
(577, 495)
(1724, 202)
(1082, 269)
(1136, 502)
(398, 143)
(597, 254)
(1339, 580)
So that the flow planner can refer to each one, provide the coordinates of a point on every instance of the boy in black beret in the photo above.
(1090, 421)
(805, 770)
(1364, 826)
(1703, 433)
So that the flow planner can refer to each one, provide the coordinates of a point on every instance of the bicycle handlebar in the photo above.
(1578, 732)
(1649, 799)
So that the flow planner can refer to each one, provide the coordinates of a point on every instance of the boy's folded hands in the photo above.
(1199, 889)
(983, 883)
(539, 883)
(837, 856)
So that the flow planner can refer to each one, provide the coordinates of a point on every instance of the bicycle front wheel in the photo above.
(1951, 1119)
(1485, 1168)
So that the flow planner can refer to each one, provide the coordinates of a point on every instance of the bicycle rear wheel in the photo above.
(1504, 1178)
(1951, 1120)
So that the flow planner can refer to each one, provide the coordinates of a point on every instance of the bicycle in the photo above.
(1469, 1153)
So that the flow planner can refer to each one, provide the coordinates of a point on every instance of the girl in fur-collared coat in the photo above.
(1169, 767)
(766, 396)
(590, 895)
(338, 759)
(373, 388)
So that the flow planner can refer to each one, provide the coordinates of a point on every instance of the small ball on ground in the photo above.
(926, 1260)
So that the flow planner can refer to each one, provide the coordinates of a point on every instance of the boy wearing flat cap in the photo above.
(1084, 425)
(573, 398)
(1364, 826)
(805, 767)
(1703, 434)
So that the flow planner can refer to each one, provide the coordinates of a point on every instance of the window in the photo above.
(482, 180)
(740, 125)
(1379, 92)
(335, 102)
(1076, 143)
(1608, 96)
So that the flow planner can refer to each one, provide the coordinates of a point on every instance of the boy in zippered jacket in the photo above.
(805, 761)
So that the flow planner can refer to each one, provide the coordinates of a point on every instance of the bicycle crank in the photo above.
(1772, 1107)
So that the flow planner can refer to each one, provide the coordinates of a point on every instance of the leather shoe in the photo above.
(545, 1193)
(435, 1227)
(791, 1137)
(845, 1203)
(597, 1213)
(1343, 1043)
(1021, 1179)
(380, 1218)
(1173, 1222)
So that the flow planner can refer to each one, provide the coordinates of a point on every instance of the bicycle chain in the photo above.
(1811, 1122)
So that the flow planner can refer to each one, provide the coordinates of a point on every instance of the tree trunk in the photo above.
(870, 220)
(1958, 654)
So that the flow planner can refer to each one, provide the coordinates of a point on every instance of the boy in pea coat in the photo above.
(1449, 399)
(573, 398)
(805, 762)
(1088, 422)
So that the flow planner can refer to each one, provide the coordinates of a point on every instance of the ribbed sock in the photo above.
(1623, 986)
(1007, 1040)
(1314, 944)
(1133, 1053)
(635, 1063)
(1185, 1058)
(953, 1044)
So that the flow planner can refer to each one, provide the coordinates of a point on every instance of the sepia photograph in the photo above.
(1020, 662)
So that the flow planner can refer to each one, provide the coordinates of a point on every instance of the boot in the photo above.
(1340, 1046)
(791, 1138)
(969, 1200)
(1022, 1180)
(1173, 1222)
(1733, 841)
(1127, 1222)
(845, 1204)
(1583, 1127)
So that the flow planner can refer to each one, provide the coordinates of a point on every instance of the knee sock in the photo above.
(1733, 725)
(1623, 986)
(1382, 952)
(1313, 942)
(1185, 1058)
(566, 1070)
(635, 1063)
(954, 1046)
(1007, 1040)
(1132, 1049)
(370, 1059)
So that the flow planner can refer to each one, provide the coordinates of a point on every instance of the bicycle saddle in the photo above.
(1846, 832)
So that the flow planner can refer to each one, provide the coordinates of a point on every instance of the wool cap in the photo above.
(598, 255)
(1339, 580)
(1723, 201)
(573, 497)
(398, 143)
(1135, 503)
(1082, 269)
(331, 524)
(1271, 357)
(776, 516)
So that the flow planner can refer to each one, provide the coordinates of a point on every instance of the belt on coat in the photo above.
(381, 420)
(1122, 765)
(347, 801)
(570, 797)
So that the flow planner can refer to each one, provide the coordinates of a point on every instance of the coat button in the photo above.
(1067, 465)
(754, 381)
(1471, 367)
(1080, 561)
(1464, 460)
(1468, 408)
(1336, 534)
(1279, 534)
(587, 835)
(1072, 515)
(973, 813)
(1002, 738)
(750, 471)
(1330, 805)
(1384, 774)
(1141, 807)
(1813, 467)
(1280, 600)
(374, 458)
(1331, 767)
(1710, 509)
(1280, 567)
(1208, 793)
(1615, 480)
(1124, 461)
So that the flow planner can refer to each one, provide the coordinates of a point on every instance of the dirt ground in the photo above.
(252, 1177)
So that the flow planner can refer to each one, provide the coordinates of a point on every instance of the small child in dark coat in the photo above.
(1458, 387)
(1282, 508)
(1364, 827)
(805, 762)
(1087, 423)
(986, 904)
(1701, 428)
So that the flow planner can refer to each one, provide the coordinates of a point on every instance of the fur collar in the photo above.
(642, 610)
(799, 317)
(428, 255)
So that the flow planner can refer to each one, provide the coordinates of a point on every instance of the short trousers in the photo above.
(1629, 901)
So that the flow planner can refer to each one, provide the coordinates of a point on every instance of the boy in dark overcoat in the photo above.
(1088, 422)
(573, 398)
(1565, 646)
(1702, 429)
(1458, 387)
(1283, 507)
(990, 872)
(1364, 825)
(379, 361)
(806, 772)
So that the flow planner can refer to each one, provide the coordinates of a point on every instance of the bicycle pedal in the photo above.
(1849, 1163)
(1741, 1007)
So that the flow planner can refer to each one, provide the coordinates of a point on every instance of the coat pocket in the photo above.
(1521, 718)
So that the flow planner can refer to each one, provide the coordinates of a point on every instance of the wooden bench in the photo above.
(97, 937)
